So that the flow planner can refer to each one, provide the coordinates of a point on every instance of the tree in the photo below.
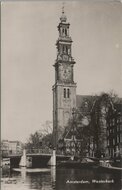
(102, 104)
(47, 140)
(34, 141)
(42, 138)
(47, 128)
(90, 122)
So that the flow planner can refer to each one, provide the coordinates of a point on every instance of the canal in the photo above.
(63, 179)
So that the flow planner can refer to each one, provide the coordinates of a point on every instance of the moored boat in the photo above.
(5, 163)
(32, 170)
(85, 162)
(8, 180)
(5, 166)
(107, 165)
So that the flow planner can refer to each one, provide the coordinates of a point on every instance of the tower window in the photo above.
(66, 49)
(64, 92)
(66, 32)
(63, 31)
(69, 51)
(63, 49)
(68, 93)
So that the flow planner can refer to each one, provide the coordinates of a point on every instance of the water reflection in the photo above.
(53, 177)
(23, 174)
(63, 179)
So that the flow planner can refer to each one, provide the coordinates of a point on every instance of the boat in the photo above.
(85, 162)
(5, 167)
(8, 180)
(107, 165)
(5, 163)
(5, 172)
(32, 170)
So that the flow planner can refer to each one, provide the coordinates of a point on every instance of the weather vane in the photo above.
(63, 7)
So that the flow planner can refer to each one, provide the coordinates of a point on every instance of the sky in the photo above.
(28, 52)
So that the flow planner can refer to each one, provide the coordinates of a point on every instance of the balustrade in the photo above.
(7, 153)
(38, 151)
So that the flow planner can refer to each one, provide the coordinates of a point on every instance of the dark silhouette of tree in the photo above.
(41, 138)
(89, 122)
(47, 140)
(99, 112)
(34, 141)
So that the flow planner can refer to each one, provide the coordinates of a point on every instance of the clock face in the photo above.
(66, 73)
(65, 57)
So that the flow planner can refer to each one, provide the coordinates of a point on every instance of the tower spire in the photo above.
(63, 17)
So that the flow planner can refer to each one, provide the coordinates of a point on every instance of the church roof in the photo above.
(82, 98)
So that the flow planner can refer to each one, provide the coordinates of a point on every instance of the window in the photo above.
(110, 123)
(63, 31)
(108, 143)
(68, 93)
(120, 140)
(117, 128)
(120, 119)
(113, 141)
(117, 139)
(107, 133)
(63, 49)
(66, 49)
(64, 92)
(69, 51)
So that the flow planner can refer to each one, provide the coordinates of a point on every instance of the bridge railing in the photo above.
(38, 151)
(7, 153)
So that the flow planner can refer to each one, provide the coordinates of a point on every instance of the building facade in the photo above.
(11, 147)
(114, 131)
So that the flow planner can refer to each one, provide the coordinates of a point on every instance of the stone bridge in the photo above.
(35, 157)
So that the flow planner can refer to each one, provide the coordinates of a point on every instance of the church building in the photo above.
(92, 108)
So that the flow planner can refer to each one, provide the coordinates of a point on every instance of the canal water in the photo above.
(63, 179)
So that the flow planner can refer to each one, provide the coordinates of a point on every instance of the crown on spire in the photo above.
(63, 16)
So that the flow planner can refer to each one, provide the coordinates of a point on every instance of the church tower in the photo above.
(64, 89)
